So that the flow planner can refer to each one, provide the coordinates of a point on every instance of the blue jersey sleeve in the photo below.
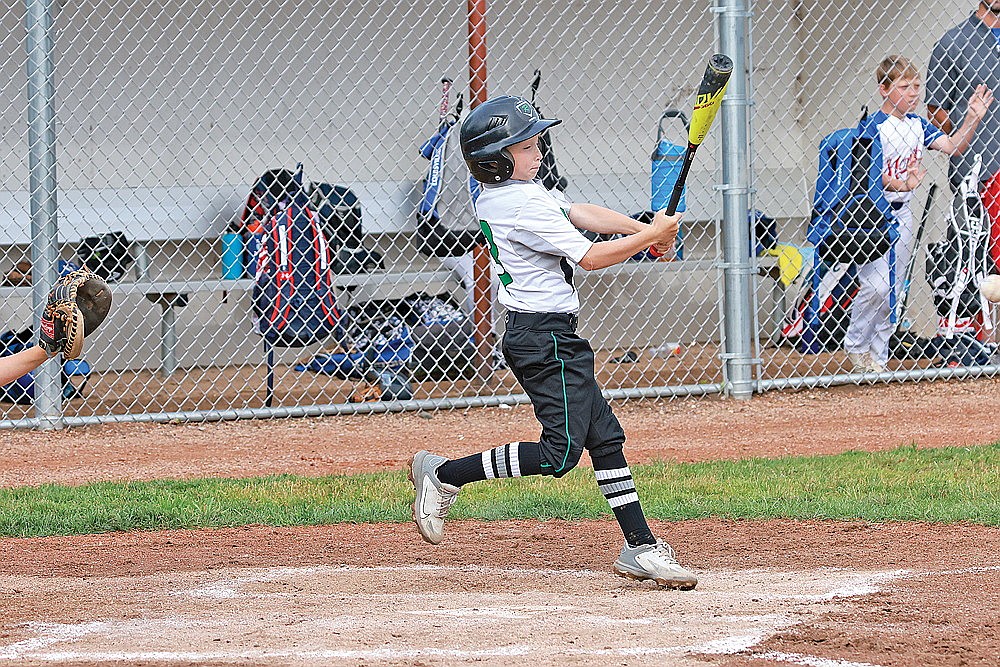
(931, 131)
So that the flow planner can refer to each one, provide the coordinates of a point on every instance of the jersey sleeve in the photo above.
(562, 199)
(931, 131)
(543, 225)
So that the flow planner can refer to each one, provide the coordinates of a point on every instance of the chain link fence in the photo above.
(813, 72)
(134, 134)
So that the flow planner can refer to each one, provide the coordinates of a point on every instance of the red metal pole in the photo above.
(480, 254)
(477, 52)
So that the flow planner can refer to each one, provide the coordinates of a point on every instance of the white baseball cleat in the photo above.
(860, 363)
(433, 497)
(655, 562)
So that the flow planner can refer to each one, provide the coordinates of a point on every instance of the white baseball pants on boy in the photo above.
(871, 326)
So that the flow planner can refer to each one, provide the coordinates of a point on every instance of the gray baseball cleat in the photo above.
(655, 562)
(433, 497)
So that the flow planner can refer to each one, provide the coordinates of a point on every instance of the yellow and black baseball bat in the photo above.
(706, 106)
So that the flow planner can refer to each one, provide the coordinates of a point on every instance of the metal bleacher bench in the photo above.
(178, 214)
(173, 294)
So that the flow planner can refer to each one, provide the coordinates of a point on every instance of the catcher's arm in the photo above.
(19, 363)
(76, 306)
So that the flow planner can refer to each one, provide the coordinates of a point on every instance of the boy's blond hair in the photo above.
(895, 67)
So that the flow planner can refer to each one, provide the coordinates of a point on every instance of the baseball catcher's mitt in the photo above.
(77, 305)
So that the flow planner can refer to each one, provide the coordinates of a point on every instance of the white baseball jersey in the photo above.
(902, 138)
(533, 244)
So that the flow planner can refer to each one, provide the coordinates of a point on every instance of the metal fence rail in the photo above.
(153, 121)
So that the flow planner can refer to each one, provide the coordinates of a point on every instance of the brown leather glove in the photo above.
(78, 303)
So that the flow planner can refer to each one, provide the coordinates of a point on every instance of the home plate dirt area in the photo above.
(822, 593)
(783, 592)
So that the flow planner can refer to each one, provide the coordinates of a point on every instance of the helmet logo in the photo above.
(525, 108)
(496, 121)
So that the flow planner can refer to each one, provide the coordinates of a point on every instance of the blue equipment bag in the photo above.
(293, 294)
(447, 225)
(852, 222)
(851, 219)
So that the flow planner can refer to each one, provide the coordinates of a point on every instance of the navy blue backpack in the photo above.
(293, 296)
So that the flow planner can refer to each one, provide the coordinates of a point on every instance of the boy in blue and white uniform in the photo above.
(903, 136)
(534, 239)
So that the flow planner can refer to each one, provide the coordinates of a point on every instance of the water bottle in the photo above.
(666, 163)
(667, 160)
(232, 256)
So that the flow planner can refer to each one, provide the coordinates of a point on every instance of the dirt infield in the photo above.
(829, 594)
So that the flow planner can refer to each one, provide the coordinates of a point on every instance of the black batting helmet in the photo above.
(491, 128)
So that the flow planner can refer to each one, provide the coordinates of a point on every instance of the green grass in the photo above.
(907, 484)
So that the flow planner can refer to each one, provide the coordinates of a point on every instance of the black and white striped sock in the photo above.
(614, 478)
(617, 486)
(516, 459)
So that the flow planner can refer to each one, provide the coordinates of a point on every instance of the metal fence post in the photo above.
(42, 188)
(738, 268)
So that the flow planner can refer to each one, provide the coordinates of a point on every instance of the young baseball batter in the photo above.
(903, 135)
(534, 240)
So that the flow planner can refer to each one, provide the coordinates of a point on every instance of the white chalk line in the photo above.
(58, 633)
(740, 644)
(61, 633)
(810, 661)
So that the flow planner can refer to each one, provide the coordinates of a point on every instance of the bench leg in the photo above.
(168, 341)
(168, 328)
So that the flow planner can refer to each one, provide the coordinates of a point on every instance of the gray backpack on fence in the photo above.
(447, 224)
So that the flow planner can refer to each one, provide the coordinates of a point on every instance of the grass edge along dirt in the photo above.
(949, 485)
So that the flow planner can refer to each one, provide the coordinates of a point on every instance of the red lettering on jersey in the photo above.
(897, 168)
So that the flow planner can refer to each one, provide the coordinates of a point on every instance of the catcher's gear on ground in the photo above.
(494, 126)
(77, 305)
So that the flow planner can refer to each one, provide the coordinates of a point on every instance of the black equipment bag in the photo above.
(340, 217)
(108, 255)
(339, 214)
(548, 172)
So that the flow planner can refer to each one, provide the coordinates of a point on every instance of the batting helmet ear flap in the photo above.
(498, 170)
